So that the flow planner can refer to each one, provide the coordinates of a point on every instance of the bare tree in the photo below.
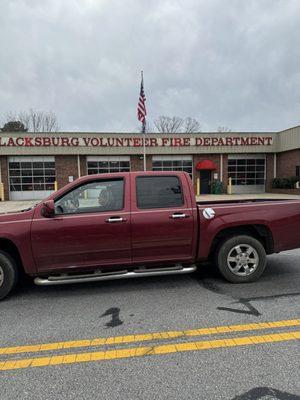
(191, 125)
(23, 117)
(49, 123)
(35, 120)
(168, 124)
(175, 124)
(223, 129)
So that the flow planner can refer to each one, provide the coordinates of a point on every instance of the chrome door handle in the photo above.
(179, 216)
(115, 219)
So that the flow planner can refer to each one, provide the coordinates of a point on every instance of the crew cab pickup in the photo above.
(135, 224)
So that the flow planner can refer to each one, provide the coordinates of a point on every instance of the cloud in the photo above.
(231, 63)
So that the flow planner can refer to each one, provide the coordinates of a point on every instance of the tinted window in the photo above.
(158, 192)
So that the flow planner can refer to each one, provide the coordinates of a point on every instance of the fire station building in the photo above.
(32, 165)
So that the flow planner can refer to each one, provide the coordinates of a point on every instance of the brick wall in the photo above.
(212, 157)
(4, 175)
(138, 165)
(286, 191)
(269, 170)
(83, 165)
(65, 166)
(286, 163)
(225, 170)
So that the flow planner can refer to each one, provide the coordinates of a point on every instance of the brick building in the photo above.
(30, 164)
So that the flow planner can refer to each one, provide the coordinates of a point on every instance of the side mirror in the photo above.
(48, 209)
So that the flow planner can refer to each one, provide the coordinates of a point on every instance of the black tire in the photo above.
(8, 274)
(242, 274)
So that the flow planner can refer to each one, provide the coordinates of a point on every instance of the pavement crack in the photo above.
(251, 309)
(243, 301)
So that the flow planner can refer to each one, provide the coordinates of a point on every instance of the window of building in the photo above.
(298, 171)
(173, 163)
(31, 174)
(248, 170)
(103, 165)
(158, 192)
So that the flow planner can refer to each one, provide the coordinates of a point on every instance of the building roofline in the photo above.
(288, 129)
(149, 133)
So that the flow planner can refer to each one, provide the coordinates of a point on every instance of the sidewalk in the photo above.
(6, 206)
(221, 197)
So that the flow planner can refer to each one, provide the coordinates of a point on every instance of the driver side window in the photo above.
(95, 196)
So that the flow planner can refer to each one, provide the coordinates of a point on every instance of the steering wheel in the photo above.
(67, 206)
(59, 209)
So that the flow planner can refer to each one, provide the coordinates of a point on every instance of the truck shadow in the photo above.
(261, 393)
(276, 282)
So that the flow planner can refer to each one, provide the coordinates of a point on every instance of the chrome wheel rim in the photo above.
(1, 276)
(242, 260)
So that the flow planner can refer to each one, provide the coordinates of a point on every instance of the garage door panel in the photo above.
(31, 178)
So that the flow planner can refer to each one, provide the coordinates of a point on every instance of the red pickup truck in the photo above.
(123, 225)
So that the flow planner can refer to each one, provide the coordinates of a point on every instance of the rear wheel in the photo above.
(241, 259)
(8, 274)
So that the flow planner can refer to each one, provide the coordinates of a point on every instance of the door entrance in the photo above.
(205, 182)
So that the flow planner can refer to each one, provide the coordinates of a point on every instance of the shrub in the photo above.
(218, 187)
(285, 183)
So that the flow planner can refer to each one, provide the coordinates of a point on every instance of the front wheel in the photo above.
(241, 259)
(8, 274)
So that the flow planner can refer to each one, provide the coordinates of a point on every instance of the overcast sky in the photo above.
(233, 63)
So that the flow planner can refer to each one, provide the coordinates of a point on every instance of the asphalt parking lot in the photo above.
(155, 338)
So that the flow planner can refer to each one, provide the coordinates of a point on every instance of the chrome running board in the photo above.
(108, 276)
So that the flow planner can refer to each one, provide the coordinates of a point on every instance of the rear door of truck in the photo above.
(163, 222)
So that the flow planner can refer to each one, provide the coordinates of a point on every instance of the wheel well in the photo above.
(259, 232)
(9, 247)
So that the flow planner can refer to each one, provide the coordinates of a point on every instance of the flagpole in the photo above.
(141, 114)
(144, 131)
(144, 145)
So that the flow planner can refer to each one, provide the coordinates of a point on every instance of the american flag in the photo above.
(141, 108)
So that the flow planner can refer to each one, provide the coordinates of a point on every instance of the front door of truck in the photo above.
(162, 220)
(91, 227)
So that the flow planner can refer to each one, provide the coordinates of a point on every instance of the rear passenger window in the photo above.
(158, 192)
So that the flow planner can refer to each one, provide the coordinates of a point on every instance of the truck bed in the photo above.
(245, 201)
